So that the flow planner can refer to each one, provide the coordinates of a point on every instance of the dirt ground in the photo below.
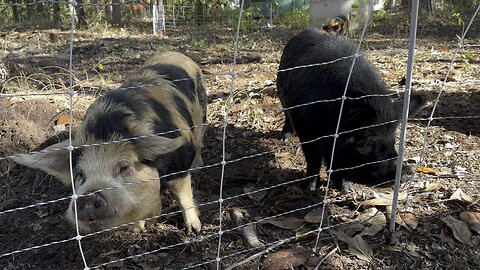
(432, 231)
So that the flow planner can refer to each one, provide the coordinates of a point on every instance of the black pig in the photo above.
(327, 82)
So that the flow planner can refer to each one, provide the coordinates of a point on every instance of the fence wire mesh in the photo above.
(250, 186)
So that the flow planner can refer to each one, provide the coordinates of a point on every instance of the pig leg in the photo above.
(287, 129)
(311, 152)
(181, 189)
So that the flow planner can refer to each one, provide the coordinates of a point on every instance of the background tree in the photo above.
(116, 13)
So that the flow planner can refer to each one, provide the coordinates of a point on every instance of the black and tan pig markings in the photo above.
(168, 114)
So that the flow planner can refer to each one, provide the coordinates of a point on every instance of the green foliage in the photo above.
(295, 18)
(378, 16)
(248, 22)
(201, 43)
(356, 5)
(469, 55)
(458, 19)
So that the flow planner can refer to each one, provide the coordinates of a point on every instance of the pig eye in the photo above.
(80, 178)
(124, 169)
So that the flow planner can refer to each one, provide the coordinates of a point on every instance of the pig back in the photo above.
(328, 62)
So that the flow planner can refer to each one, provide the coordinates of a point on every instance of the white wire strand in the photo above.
(70, 147)
(337, 129)
(422, 152)
(231, 161)
(429, 119)
(224, 135)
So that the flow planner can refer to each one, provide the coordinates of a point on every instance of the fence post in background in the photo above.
(173, 15)
(406, 103)
(270, 23)
(161, 15)
(154, 19)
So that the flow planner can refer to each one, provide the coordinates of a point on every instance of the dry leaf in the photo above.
(285, 259)
(356, 245)
(445, 237)
(426, 170)
(407, 220)
(459, 228)
(315, 215)
(413, 160)
(256, 196)
(62, 123)
(461, 196)
(472, 219)
(433, 186)
(286, 222)
(373, 220)
(63, 120)
(385, 199)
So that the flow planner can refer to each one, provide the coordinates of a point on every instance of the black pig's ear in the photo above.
(417, 102)
(151, 147)
(53, 160)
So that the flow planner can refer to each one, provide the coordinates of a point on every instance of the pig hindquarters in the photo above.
(321, 84)
(165, 105)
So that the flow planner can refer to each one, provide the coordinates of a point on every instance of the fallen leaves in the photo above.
(289, 223)
(459, 228)
(373, 221)
(315, 215)
(251, 191)
(62, 122)
(472, 219)
(384, 199)
(407, 220)
(426, 170)
(285, 259)
(356, 245)
(461, 196)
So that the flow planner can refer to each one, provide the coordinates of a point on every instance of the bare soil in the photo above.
(38, 63)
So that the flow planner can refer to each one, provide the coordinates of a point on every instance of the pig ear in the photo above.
(417, 102)
(50, 160)
(152, 147)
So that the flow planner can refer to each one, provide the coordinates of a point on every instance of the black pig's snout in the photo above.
(90, 208)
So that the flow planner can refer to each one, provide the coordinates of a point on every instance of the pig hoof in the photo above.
(285, 137)
(139, 227)
(347, 187)
(312, 185)
(194, 226)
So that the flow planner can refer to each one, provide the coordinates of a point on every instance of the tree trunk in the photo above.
(116, 13)
(81, 14)
(427, 5)
(16, 16)
(40, 8)
(56, 15)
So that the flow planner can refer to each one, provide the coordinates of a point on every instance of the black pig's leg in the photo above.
(312, 154)
(181, 189)
(287, 129)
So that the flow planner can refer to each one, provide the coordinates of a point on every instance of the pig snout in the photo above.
(90, 208)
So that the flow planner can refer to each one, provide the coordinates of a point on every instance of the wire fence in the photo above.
(219, 256)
